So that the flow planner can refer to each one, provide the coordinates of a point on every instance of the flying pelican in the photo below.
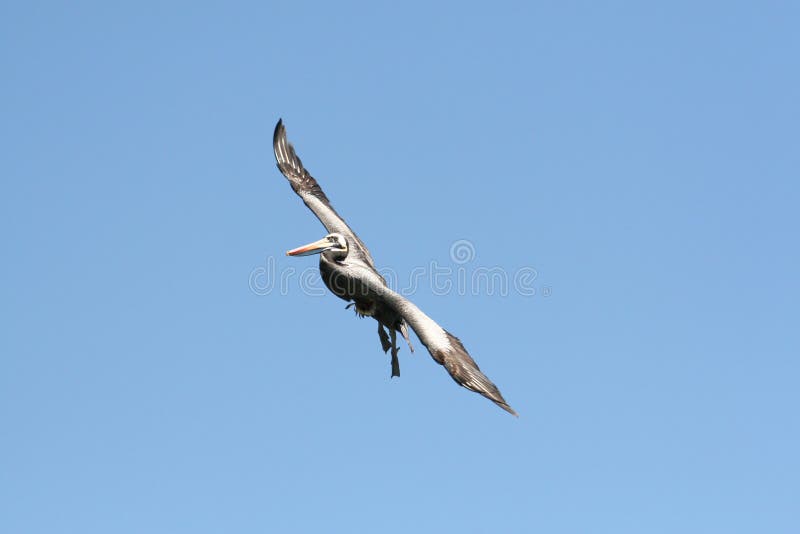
(348, 270)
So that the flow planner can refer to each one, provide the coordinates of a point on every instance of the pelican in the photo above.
(348, 271)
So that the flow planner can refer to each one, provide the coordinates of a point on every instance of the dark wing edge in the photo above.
(465, 372)
(310, 191)
(292, 168)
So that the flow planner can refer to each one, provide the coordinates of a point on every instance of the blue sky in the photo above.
(642, 159)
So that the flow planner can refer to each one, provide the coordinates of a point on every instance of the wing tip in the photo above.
(507, 408)
(465, 372)
(285, 156)
(279, 133)
(493, 394)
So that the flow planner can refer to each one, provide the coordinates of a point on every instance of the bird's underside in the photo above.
(366, 304)
(347, 269)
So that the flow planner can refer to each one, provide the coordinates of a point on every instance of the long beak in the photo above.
(312, 248)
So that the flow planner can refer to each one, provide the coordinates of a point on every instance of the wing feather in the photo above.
(312, 194)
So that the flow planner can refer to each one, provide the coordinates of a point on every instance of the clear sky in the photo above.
(639, 160)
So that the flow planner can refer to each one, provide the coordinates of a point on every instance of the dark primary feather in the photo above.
(290, 165)
(465, 371)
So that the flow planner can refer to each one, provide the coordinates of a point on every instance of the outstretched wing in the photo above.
(445, 348)
(309, 190)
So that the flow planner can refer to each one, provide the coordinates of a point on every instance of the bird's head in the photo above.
(335, 243)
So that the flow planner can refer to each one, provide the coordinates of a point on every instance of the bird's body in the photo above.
(355, 284)
(348, 271)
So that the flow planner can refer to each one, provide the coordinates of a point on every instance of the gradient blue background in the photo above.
(643, 158)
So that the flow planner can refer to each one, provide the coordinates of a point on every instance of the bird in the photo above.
(348, 271)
